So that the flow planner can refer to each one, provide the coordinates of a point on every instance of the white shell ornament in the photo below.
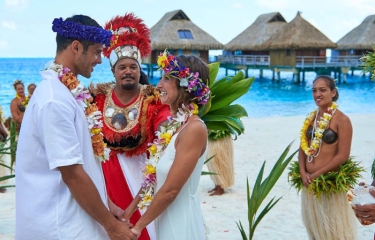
(109, 112)
(133, 114)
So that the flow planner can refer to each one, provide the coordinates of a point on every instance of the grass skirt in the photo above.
(331, 219)
(222, 163)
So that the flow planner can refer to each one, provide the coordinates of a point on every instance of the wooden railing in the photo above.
(336, 61)
(261, 60)
(301, 61)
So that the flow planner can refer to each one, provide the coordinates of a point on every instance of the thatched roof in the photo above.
(258, 32)
(164, 34)
(298, 34)
(361, 37)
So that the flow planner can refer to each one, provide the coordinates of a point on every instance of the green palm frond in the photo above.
(329, 183)
(218, 113)
(368, 63)
(260, 191)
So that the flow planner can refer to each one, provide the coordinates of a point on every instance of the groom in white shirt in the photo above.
(60, 190)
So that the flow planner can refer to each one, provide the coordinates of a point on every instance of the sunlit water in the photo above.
(266, 98)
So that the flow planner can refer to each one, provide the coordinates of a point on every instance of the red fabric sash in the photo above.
(118, 190)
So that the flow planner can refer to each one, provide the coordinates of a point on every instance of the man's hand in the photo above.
(366, 213)
(117, 212)
(120, 231)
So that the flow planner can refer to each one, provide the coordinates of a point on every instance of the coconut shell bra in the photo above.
(128, 128)
(329, 136)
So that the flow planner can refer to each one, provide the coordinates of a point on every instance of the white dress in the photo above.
(183, 219)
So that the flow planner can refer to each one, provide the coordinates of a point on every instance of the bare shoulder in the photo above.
(343, 118)
(195, 129)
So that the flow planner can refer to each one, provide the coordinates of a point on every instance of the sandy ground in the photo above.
(265, 139)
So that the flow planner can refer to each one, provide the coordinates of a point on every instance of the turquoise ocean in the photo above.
(266, 98)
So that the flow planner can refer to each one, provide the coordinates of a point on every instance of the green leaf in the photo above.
(1, 164)
(214, 70)
(209, 159)
(234, 123)
(243, 233)
(234, 111)
(7, 177)
(208, 173)
(6, 186)
(230, 93)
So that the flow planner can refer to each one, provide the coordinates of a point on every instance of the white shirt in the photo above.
(54, 133)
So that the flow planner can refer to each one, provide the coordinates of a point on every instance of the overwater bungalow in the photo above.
(358, 41)
(176, 32)
(249, 42)
(298, 44)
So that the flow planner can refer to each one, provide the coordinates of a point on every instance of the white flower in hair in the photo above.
(184, 82)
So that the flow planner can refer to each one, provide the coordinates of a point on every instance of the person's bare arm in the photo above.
(302, 168)
(87, 196)
(14, 111)
(132, 207)
(2, 131)
(345, 133)
(189, 148)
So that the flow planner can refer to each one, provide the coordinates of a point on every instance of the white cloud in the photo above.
(9, 25)
(237, 5)
(20, 4)
(3, 44)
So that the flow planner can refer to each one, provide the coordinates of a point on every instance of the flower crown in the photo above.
(16, 83)
(173, 68)
(71, 29)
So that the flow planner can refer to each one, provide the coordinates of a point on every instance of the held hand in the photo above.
(137, 232)
(366, 213)
(305, 179)
(120, 231)
(127, 215)
(117, 212)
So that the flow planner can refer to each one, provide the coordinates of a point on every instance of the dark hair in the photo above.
(143, 78)
(331, 83)
(195, 64)
(63, 42)
(16, 83)
(31, 84)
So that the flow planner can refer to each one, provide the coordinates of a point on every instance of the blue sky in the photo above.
(25, 25)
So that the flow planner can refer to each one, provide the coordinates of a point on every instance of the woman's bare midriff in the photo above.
(328, 151)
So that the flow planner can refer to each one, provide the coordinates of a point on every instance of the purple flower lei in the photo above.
(173, 68)
(71, 29)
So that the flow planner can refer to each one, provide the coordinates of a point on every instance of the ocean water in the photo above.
(266, 98)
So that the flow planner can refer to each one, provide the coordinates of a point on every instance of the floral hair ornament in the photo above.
(16, 83)
(173, 68)
(71, 29)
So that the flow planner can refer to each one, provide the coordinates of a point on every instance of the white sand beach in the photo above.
(265, 139)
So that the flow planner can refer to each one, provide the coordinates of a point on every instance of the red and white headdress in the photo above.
(130, 39)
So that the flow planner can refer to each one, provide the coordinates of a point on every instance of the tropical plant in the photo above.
(9, 147)
(218, 113)
(208, 173)
(260, 191)
(368, 63)
(331, 182)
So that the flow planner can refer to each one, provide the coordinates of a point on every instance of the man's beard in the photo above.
(128, 86)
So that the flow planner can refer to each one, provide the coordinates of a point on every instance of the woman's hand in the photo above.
(137, 232)
(306, 179)
(127, 214)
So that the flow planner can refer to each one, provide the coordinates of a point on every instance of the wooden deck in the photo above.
(340, 65)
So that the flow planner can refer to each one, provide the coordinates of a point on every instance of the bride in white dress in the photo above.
(175, 207)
